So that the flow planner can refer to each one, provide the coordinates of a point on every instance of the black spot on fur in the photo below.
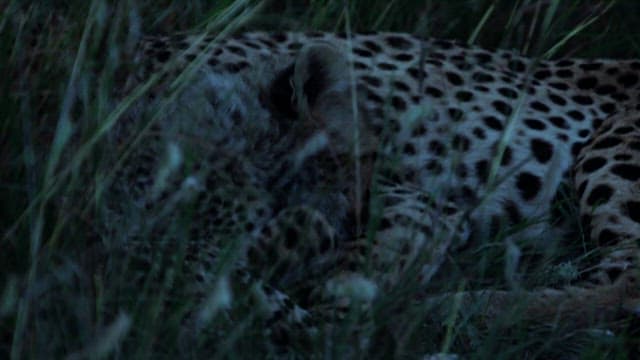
(434, 167)
(587, 83)
(455, 114)
(370, 80)
(624, 130)
(493, 122)
(482, 170)
(559, 122)
(542, 150)
(584, 133)
(627, 171)
(482, 77)
(363, 52)
(564, 73)
(236, 67)
(419, 131)
(398, 103)
(479, 133)
(576, 115)
(529, 185)
(542, 74)
(622, 157)
(608, 108)
(437, 148)
(417, 74)
(606, 143)
(537, 105)
(460, 143)
(559, 85)
(632, 210)
(593, 164)
(372, 46)
(582, 99)
(399, 85)
(433, 92)
(605, 89)
(628, 80)
(454, 78)
(508, 92)
(535, 124)
(507, 156)
(374, 97)
(576, 148)
(387, 66)
(360, 66)
(236, 50)
(502, 107)
(558, 100)
(599, 194)
(403, 57)
(409, 149)
(620, 96)
(464, 96)
(607, 238)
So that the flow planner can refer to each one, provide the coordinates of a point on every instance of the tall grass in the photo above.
(63, 70)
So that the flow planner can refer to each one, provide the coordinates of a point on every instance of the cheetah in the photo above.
(315, 156)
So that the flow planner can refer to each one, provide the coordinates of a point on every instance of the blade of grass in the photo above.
(476, 31)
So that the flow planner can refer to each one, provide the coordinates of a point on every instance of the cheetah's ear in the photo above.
(321, 81)
(324, 91)
(316, 90)
(319, 74)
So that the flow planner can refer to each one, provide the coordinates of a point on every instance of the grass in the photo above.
(62, 71)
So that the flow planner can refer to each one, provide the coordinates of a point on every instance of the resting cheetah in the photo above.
(317, 155)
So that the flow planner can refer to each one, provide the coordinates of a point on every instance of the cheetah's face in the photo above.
(277, 131)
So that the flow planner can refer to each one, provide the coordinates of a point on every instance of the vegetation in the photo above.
(62, 65)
